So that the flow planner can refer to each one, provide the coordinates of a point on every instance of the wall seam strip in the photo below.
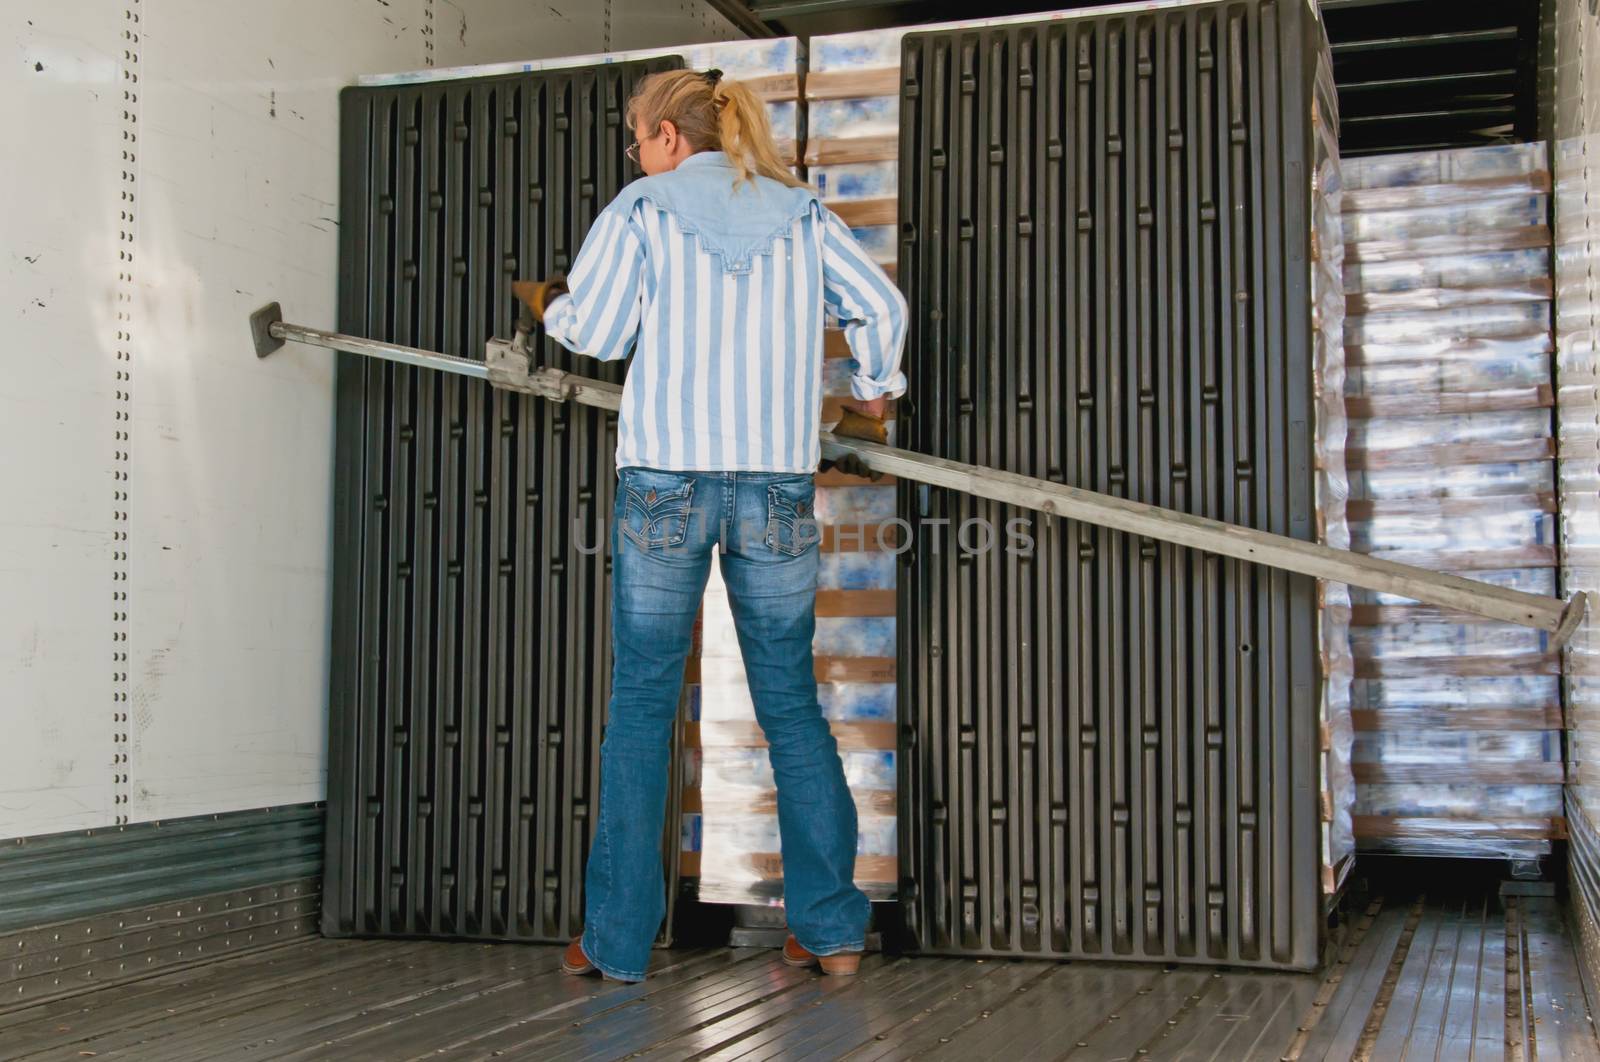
(132, 32)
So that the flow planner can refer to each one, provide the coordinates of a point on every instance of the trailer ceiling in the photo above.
(1412, 74)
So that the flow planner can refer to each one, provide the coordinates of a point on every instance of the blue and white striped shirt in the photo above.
(727, 374)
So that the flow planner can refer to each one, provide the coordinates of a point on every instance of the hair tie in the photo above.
(713, 76)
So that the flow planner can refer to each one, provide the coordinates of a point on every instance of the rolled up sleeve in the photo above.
(870, 309)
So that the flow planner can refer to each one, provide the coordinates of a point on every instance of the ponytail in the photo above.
(747, 134)
(714, 115)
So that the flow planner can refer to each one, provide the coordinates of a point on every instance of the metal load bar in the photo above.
(506, 365)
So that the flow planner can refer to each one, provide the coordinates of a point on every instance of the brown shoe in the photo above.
(842, 964)
(575, 962)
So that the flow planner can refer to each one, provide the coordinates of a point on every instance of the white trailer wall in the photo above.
(165, 509)
(1570, 113)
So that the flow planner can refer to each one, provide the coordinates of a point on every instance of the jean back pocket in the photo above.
(655, 507)
(791, 516)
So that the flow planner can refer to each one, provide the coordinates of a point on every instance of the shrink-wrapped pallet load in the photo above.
(1449, 393)
(730, 833)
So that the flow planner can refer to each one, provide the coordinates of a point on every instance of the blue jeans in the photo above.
(663, 531)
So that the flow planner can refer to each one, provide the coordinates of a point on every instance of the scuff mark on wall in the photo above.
(463, 16)
(148, 691)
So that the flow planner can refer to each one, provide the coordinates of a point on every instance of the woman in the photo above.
(715, 271)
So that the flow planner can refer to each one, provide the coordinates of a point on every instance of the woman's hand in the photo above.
(864, 419)
(861, 420)
(538, 294)
(877, 408)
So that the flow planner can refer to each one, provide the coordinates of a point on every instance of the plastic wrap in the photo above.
(1507, 479)
(745, 60)
(1463, 193)
(854, 636)
(1432, 638)
(1448, 352)
(1332, 494)
(1403, 433)
(785, 118)
(848, 181)
(878, 241)
(1452, 531)
(743, 776)
(1438, 747)
(761, 61)
(1503, 367)
(836, 373)
(1482, 821)
(1489, 213)
(1477, 274)
(1502, 320)
(730, 832)
(866, 50)
(856, 570)
(1458, 801)
(740, 860)
(733, 827)
(873, 116)
(730, 829)
(1447, 284)
(1577, 269)
(854, 505)
(872, 702)
(1414, 168)
(853, 112)
(1532, 692)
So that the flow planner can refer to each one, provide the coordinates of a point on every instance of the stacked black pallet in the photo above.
(471, 654)
(1110, 745)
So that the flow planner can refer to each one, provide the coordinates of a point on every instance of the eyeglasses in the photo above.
(632, 150)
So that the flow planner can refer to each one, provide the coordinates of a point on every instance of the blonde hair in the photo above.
(714, 115)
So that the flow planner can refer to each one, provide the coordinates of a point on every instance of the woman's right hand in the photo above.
(861, 420)
(864, 420)
(877, 408)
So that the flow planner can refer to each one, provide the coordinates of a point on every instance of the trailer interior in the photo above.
(303, 675)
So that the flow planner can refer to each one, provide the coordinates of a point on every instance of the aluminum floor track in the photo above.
(1456, 979)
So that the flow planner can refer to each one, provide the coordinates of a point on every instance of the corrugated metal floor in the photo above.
(1464, 977)
(1460, 979)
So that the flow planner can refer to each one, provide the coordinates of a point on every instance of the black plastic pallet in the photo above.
(471, 649)
(1109, 747)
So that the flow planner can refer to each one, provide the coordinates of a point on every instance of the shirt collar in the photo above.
(706, 158)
